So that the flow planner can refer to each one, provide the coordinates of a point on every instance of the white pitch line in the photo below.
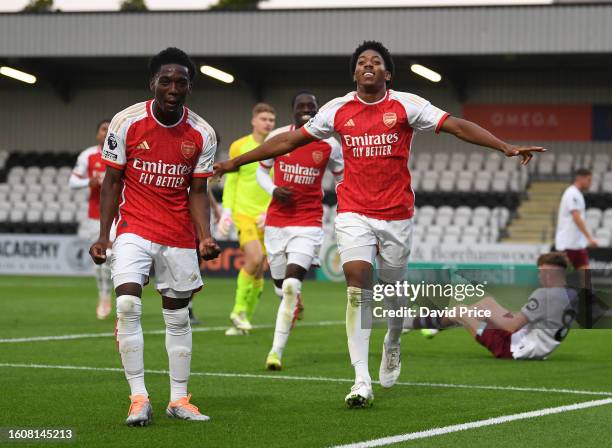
(316, 378)
(65, 337)
(477, 424)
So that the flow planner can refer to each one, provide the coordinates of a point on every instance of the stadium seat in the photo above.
(565, 165)
(470, 235)
(49, 215)
(429, 181)
(444, 216)
(601, 162)
(446, 181)
(493, 162)
(16, 215)
(440, 161)
(66, 216)
(462, 216)
(48, 197)
(603, 236)
(423, 161)
(33, 215)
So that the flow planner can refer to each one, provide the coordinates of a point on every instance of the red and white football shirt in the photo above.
(302, 171)
(158, 163)
(89, 165)
(376, 140)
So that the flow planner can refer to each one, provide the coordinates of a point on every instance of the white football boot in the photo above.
(184, 410)
(140, 412)
(361, 395)
(390, 366)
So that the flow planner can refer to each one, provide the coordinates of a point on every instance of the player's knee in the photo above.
(177, 321)
(128, 304)
(291, 286)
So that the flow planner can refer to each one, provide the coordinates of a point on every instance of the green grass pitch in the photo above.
(251, 407)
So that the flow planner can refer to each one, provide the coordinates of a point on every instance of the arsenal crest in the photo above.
(317, 156)
(188, 149)
(389, 119)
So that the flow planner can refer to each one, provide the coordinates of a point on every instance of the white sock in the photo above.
(178, 346)
(131, 342)
(395, 325)
(286, 314)
(358, 332)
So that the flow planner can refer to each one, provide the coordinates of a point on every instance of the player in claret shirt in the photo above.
(293, 232)
(375, 200)
(89, 173)
(154, 152)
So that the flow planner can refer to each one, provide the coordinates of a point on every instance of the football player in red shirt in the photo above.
(89, 173)
(375, 200)
(159, 155)
(293, 233)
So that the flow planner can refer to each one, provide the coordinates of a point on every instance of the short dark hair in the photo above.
(582, 172)
(555, 259)
(377, 47)
(172, 55)
(303, 92)
(101, 122)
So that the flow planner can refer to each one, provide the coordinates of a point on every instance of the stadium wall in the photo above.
(414, 31)
(35, 118)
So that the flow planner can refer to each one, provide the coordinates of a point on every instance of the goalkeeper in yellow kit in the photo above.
(245, 204)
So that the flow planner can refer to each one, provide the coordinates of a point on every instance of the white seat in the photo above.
(33, 215)
(457, 161)
(31, 196)
(52, 206)
(5, 188)
(66, 216)
(500, 216)
(4, 214)
(595, 183)
(423, 161)
(15, 197)
(446, 181)
(50, 171)
(470, 235)
(475, 160)
(601, 162)
(19, 188)
(450, 238)
(47, 197)
(444, 215)
(482, 183)
(499, 184)
(606, 186)
(462, 217)
(49, 215)
(35, 188)
(603, 236)
(493, 162)
(33, 173)
(464, 185)
(16, 215)
(594, 215)
(64, 171)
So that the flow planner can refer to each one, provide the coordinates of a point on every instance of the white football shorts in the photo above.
(177, 272)
(292, 244)
(367, 239)
(89, 230)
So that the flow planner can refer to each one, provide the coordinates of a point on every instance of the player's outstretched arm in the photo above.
(109, 204)
(472, 133)
(277, 146)
(199, 207)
